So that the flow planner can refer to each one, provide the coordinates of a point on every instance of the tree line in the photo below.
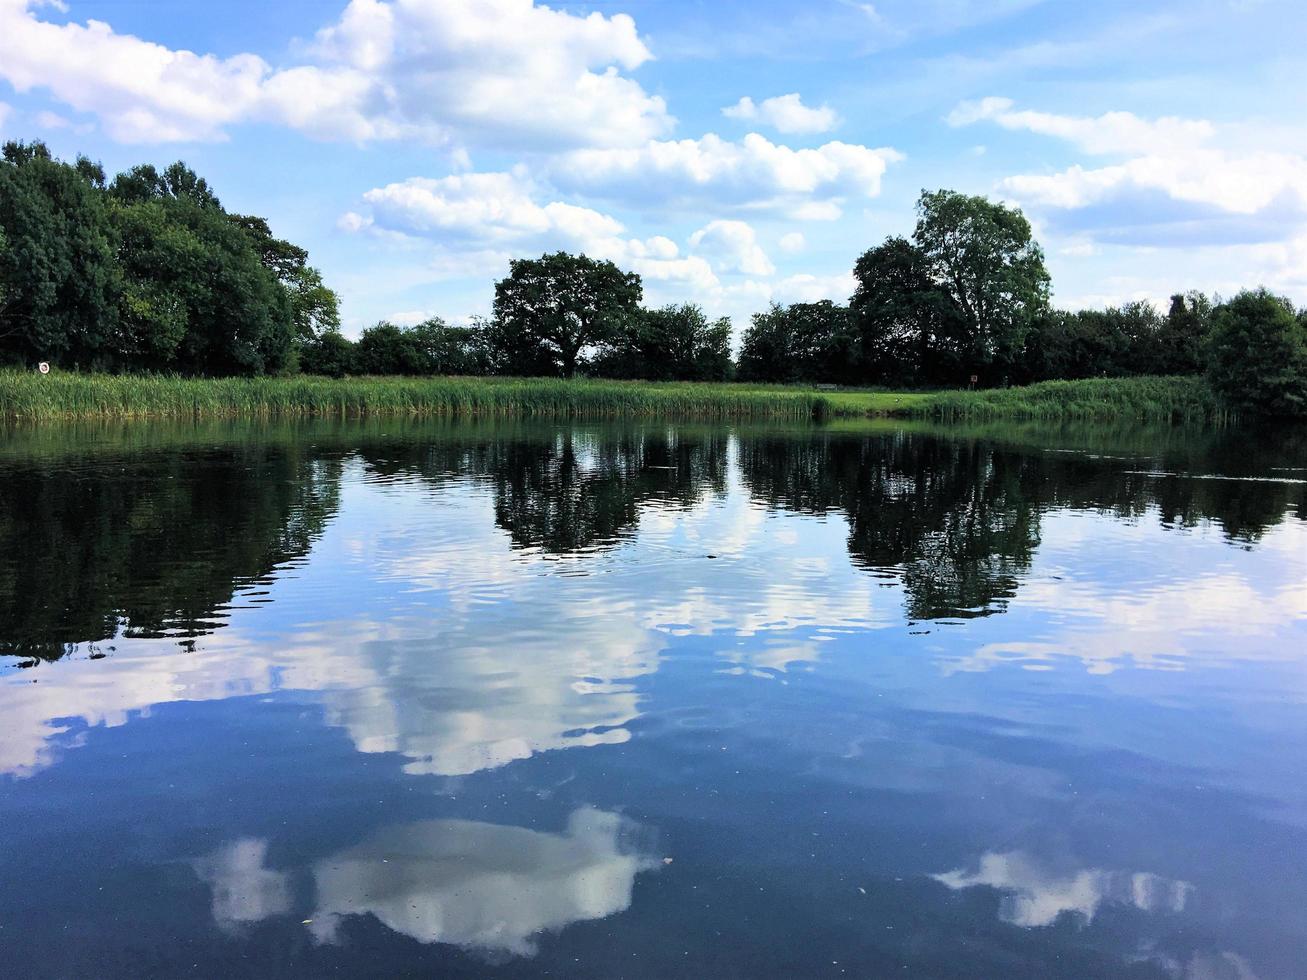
(149, 272)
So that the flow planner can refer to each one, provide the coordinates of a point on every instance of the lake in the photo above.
(653, 700)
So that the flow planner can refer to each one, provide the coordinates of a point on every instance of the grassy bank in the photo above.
(1094, 399)
(27, 396)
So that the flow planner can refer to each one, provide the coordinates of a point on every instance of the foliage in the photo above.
(25, 395)
(984, 257)
(673, 343)
(146, 272)
(1258, 355)
(330, 353)
(1172, 399)
(58, 274)
(553, 310)
(907, 332)
(801, 342)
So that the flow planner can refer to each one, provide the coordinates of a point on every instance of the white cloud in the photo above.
(492, 72)
(806, 288)
(1177, 183)
(141, 91)
(1112, 132)
(793, 242)
(785, 113)
(501, 210)
(733, 247)
(752, 174)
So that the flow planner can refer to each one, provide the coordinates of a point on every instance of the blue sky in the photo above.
(732, 153)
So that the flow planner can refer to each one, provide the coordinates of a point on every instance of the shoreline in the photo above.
(31, 397)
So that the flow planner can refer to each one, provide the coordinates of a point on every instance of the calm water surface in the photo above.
(651, 701)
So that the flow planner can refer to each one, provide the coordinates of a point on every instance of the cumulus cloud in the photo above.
(1176, 184)
(752, 174)
(784, 113)
(793, 242)
(490, 210)
(498, 72)
(140, 91)
(1112, 132)
(733, 247)
(806, 288)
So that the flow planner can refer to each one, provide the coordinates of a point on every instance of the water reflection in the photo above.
(486, 887)
(97, 542)
(481, 886)
(244, 889)
(1036, 895)
(825, 665)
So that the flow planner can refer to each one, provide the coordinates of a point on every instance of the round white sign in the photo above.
(44, 367)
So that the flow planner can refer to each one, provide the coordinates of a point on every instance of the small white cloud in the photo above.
(51, 120)
(410, 318)
(785, 113)
(732, 246)
(753, 174)
(806, 288)
(793, 242)
(1112, 132)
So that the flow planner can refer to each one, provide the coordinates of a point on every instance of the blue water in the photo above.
(653, 700)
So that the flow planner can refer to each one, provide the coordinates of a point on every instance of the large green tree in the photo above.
(148, 272)
(1257, 358)
(59, 282)
(907, 327)
(557, 308)
(800, 342)
(983, 255)
(314, 307)
(676, 342)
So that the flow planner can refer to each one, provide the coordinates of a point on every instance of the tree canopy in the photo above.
(1258, 358)
(145, 272)
(555, 309)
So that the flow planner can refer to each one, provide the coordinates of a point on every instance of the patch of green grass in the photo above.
(1147, 398)
(27, 396)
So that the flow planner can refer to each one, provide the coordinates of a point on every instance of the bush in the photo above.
(1257, 356)
(330, 354)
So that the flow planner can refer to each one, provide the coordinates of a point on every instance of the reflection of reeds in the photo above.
(1173, 398)
(30, 396)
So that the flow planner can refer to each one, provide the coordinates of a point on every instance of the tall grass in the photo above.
(1148, 398)
(27, 396)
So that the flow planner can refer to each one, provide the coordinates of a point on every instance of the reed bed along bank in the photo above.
(27, 396)
(1172, 399)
